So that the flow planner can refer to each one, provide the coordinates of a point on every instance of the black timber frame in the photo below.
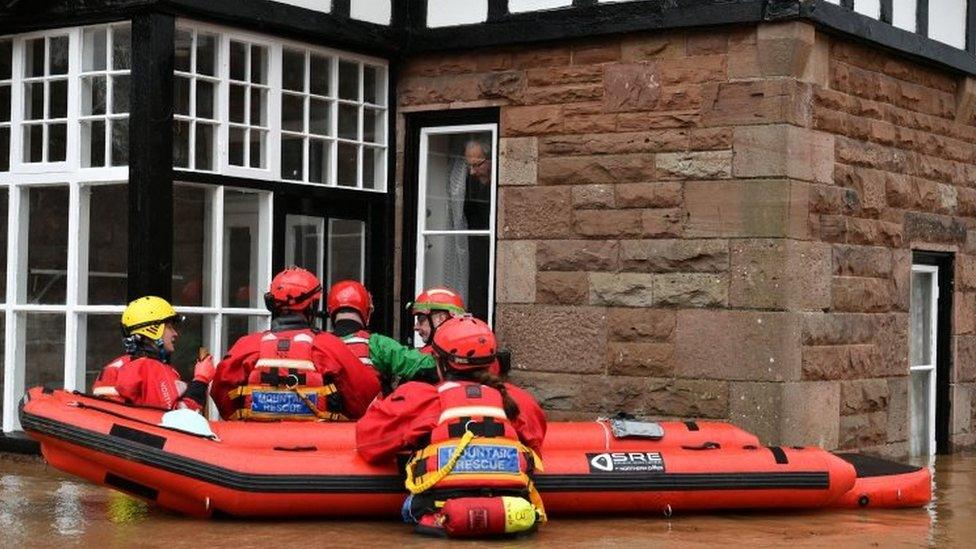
(411, 161)
(943, 344)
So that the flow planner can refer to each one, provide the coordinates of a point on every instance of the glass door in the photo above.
(922, 365)
(457, 173)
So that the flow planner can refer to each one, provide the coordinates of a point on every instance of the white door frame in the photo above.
(931, 361)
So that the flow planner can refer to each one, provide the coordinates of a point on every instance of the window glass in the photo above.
(192, 337)
(459, 262)
(305, 243)
(103, 343)
(241, 254)
(3, 355)
(6, 75)
(47, 252)
(190, 239)
(108, 239)
(105, 89)
(45, 99)
(347, 242)
(195, 100)
(237, 326)
(4, 194)
(44, 352)
(921, 319)
(248, 104)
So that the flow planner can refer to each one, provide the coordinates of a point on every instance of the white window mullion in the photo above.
(493, 158)
(222, 90)
(217, 264)
(77, 207)
(265, 234)
(333, 178)
(73, 153)
(17, 108)
(13, 371)
(274, 110)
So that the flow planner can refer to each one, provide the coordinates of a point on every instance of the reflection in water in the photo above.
(41, 507)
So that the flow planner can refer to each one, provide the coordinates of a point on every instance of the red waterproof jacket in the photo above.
(405, 419)
(356, 382)
(143, 381)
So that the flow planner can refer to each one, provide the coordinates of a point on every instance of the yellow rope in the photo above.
(438, 475)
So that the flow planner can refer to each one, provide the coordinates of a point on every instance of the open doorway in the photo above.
(930, 357)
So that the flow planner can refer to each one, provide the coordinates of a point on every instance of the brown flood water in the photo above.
(41, 507)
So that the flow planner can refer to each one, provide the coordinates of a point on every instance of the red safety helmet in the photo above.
(350, 294)
(466, 343)
(437, 299)
(293, 289)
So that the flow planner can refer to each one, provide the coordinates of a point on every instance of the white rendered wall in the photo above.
(517, 6)
(373, 11)
(904, 15)
(447, 13)
(324, 6)
(947, 22)
(871, 8)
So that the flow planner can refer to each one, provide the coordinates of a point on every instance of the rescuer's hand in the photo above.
(204, 369)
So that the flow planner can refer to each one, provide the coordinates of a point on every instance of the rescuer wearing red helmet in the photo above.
(480, 440)
(350, 305)
(431, 308)
(292, 371)
(142, 376)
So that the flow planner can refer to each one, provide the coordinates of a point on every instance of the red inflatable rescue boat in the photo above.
(312, 469)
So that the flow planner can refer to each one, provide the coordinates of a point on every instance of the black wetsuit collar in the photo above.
(288, 322)
(346, 326)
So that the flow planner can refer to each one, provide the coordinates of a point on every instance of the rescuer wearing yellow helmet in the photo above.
(142, 376)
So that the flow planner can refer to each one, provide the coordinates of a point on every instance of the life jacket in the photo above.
(285, 383)
(104, 386)
(358, 344)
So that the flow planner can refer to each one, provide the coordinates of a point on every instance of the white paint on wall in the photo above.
(373, 11)
(324, 6)
(904, 14)
(834, 2)
(947, 22)
(448, 13)
(871, 8)
(518, 6)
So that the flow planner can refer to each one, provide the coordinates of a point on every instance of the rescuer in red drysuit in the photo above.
(293, 371)
(469, 425)
(143, 376)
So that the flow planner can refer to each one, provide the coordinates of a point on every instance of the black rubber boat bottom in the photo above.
(870, 466)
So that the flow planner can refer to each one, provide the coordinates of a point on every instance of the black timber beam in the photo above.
(151, 156)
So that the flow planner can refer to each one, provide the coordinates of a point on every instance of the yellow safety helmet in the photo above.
(148, 316)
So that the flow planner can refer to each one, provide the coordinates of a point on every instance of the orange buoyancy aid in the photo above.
(105, 385)
(358, 344)
(473, 447)
(286, 384)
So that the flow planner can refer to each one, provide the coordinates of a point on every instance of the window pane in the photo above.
(4, 149)
(259, 65)
(44, 353)
(34, 101)
(57, 146)
(120, 94)
(236, 146)
(3, 327)
(320, 71)
(120, 142)
(238, 60)
(349, 121)
(47, 248)
(458, 194)
(206, 54)
(373, 88)
(292, 113)
(205, 99)
(34, 57)
(93, 143)
(34, 143)
(374, 168)
(190, 234)
(95, 50)
(919, 398)
(921, 318)
(459, 262)
(121, 48)
(57, 106)
(241, 234)
(348, 80)
(3, 250)
(181, 96)
(259, 107)
(93, 95)
(346, 245)
(305, 242)
(58, 55)
(292, 159)
(374, 126)
(6, 59)
(346, 165)
(103, 344)
(204, 150)
(318, 117)
(182, 44)
(181, 144)
(108, 245)
(318, 161)
(5, 103)
(236, 103)
(293, 70)
(258, 156)
(190, 340)
(237, 326)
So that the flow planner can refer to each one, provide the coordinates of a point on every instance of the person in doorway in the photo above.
(479, 440)
(293, 371)
(477, 215)
(143, 376)
(349, 306)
